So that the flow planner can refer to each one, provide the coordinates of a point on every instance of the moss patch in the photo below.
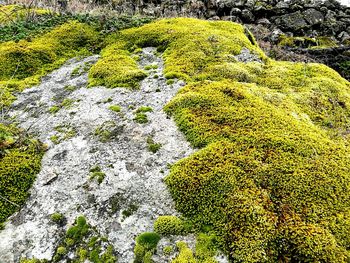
(268, 132)
(191, 46)
(23, 63)
(82, 242)
(20, 159)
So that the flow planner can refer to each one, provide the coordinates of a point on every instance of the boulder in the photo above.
(313, 17)
(294, 21)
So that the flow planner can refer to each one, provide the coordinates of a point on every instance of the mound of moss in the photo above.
(271, 181)
(20, 159)
(23, 63)
(191, 47)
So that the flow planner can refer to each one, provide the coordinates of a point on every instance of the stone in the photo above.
(263, 21)
(63, 184)
(294, 21)
(247, 16)
(313, 17)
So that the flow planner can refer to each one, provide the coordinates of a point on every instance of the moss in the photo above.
(57, 217)
(144, 109)
(148, 240)
(307, 42)
(129, 211)
(20, 159)
(107, 131)
(23, 63)
(141, 118)
(146, 244)
(116, 68)
(95, 172)
(170, 82)
(190, 47)
(167, 250)
(206, 248)
(169, 225)
(61, 251)
(152, 146)
(115, 108)
(185, 254)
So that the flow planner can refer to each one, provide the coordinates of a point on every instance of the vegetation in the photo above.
(20, 158)
(152, 146)
(57, 218)
(268, 132)
(96, 172)
(271, 179)
(81, 243)
(23, 63)
(115, 108)
(169, 225)
(146, 244)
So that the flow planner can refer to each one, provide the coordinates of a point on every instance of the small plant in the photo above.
(115, 108)
(57, 217)
(167, 250)
(144, 109)
(70, 88)
(96, 172)
(141, 118)
(156, 76)
(54, 109)
(128, 212)
(152, 146)
(146, 244)
(170, 82)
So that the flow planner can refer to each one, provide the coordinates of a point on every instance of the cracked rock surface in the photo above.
(82, 132)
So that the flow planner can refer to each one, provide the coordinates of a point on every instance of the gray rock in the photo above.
(247, 16)
(313, 17)
(134, 175)
(294, 21)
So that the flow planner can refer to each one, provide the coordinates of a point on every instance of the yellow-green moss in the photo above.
(185, 254)
(169, 225)
(191, 47)
(20, 159)
(23, 63)
(116, 68)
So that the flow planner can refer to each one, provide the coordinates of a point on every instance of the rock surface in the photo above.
(87, 134)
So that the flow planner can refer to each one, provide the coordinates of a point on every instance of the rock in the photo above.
(247, 56)
(344, 36)
(313, 17)
(133, 174)
(263, 21)
(294, 21)
(247, 16)
(236, 11)
(235, 19)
